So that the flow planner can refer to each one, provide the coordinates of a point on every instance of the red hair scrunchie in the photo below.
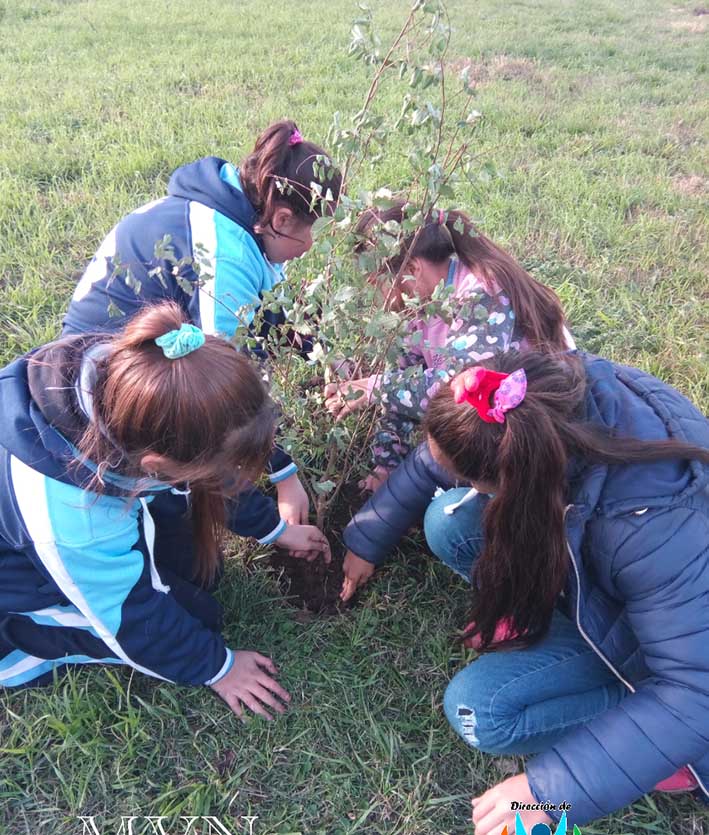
(476, 386)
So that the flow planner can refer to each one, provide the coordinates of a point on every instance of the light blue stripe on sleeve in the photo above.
(66, 616)
(46, 666)
(275, 533)
(88, 544)
(96, 542)
(228, 664)
(10, 660)
(240, 275)
(283, 474)
(229, 174)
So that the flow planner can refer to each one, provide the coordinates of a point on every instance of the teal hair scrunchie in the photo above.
(179, 343)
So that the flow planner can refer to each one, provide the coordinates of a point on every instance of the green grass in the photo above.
(595, 117)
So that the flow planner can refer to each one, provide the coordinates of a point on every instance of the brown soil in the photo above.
(683, 134)
(315, 587)
(504, 67)
(698, 25)
(691, 185)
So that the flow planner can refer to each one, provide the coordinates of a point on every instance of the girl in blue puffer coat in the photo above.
(588, 548)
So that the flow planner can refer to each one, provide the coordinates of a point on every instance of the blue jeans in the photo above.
(522, 701)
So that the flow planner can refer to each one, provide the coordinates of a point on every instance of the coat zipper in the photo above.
(581, 629)
(595, 648)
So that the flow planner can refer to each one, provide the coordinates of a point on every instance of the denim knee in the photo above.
(467, 704)
(456, 538)
(437, 524)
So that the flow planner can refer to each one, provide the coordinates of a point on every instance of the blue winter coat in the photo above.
(77, 569)
(638, 541)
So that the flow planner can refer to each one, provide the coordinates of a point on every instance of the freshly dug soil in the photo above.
(314, 586)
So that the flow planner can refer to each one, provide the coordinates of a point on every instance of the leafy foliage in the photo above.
(340, 304)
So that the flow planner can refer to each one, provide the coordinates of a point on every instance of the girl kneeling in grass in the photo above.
(93, 429)
(214, 244)
(500, 306)
(590, 563)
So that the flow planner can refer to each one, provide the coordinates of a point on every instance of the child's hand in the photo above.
(374, 480)
(336, 401)
(248, 684)
(305, 542)
(293, 502)
(357, 572)
(491, 811)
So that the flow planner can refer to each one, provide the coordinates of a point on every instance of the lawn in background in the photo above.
(595, 118)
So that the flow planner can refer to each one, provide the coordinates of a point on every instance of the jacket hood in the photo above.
(47, 405)
(215, 183)
(634, 404)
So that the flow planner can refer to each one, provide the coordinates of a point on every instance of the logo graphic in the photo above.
(541, 828)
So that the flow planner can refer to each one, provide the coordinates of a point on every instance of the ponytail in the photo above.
(207, 415)
(537, 309)
(284, 169)
(524, 563)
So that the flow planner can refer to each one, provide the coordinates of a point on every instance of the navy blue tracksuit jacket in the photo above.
(87, 577)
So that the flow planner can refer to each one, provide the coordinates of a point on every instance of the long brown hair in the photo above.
(524, 563)
(207, 413)
(537, 308)
(277, 173)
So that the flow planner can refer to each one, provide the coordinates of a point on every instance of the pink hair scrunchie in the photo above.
(476, 386)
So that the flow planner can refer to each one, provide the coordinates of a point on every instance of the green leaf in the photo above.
(324, 487)
(163, 250)
(131, 281)
(185, 285)
(317, 354)
(345, 294)
(320, 225)
(354, 394)
(313, 286)
(114, 310)
(434, 112)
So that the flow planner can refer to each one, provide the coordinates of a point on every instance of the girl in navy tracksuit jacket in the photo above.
(93, 429)
(214, 245)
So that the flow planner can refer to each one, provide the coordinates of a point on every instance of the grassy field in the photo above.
(596, 118)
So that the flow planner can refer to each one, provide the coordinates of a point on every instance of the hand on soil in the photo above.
(337, 394)
(305, 542)
(293, 502)
(249, 684)
(357, 572)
